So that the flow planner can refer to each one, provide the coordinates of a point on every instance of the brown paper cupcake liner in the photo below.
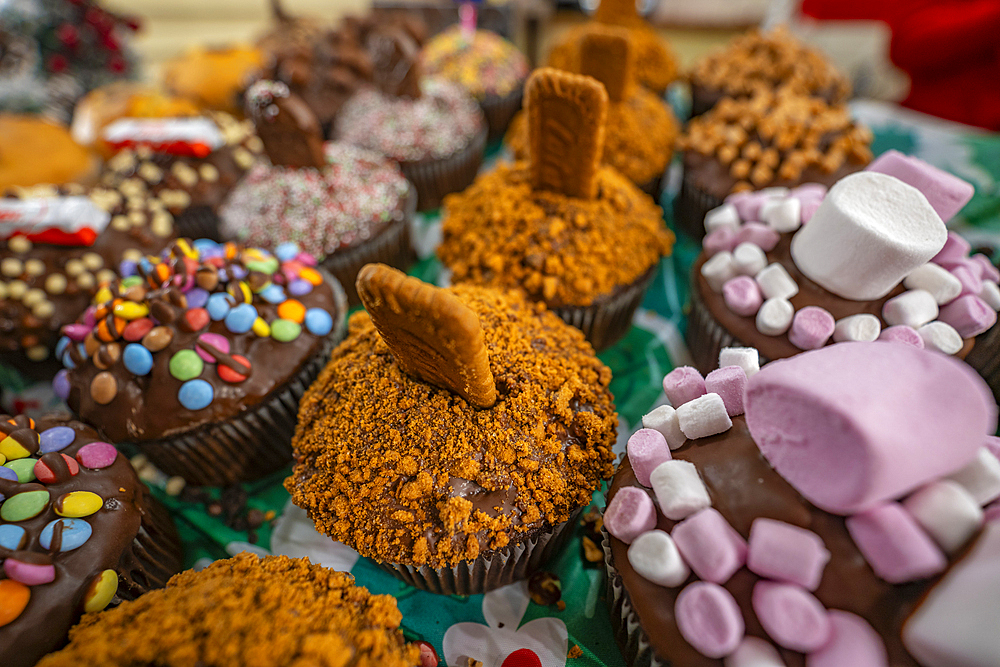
(985, 358)
(197, 222)
(605, 322)
(154, 556)
(499, 111)
(706, 337)
(434, 179)
(690, 207)
(654, 187)
(511, 563)
(390, 246)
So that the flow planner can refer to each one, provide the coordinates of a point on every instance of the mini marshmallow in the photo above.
(718, 269)
(723, 239)
(992, 445)
(749, 259)
(722, 216)
(811, 328)
(955, 251)
(630, 514)
(809, 191)
(774, 191)
(782, 215)
(940, 336)
(747, 358)
(990, 295)
(742, 296)
(754, 652)
(809, 208)
(664, 420)
(709, 619)
(914, 309)
(969, 280)
(991, 513)
(948, 513)
(729, 382)
(903, 334)
(775, 316)
(970, 316)
(781, 551)
(930, 277)
(895, 546)
(775, 283)
(987, 270)
(704, 416)
(791, 616)
(683, 384)
(679, 489)
(710, 546)
(946, 194)
(981, 477)
(655, 557)
(852, 642)
(869, 233)
(647, 449)
(747, 204)
(861, 327)
(758, 234)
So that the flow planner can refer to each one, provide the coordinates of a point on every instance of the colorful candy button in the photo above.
(12, 449)
(97, 455)
(240, 291)
(261, 328)
(14, 598)
(61, 346)
(241, 318)
(306, 258)
(24, 469)
(311, 276)
(318, 322)
(157, 338)
(186, 365)
(231, 376)
(55, 439)
(299, 287)
(273, 294)
(75, 533)
(220, 343)
(103, 388)
(138, 360)
(285, 331)
(8, 474)
(218, 306)
(286, 251)
(292, 310)
(24, 506)
(137, 329)
(101, 590)
(267, 265)
(29, 574)
(77, 504)
(196, 394)
(46, 475)
(197, 297)
(12, 537)
(129, 310)
(60, 384)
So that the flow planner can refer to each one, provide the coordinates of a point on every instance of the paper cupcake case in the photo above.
(500, 110)
(690, 207)
(433, 179)
(605, 322)
(706, 337)
(654, 188)
(985, 358)
(154, 556)
(511, 563)
(197, 222)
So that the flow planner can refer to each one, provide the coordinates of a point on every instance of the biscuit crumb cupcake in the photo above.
(34, 151)
(215, 77)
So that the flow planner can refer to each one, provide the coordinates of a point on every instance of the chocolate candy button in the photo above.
(12, 537)
(8, 474)
(46, 475)
(285, 330)
(218, 306)
(24, 469)
(97, 455)
(195, 319)
(103, 388)
(299, 287)
(197, 298)
(286, 251)
(318, 322)
(220, 343)
(196, 394)
(76, 504)
(292, 310)
(74, 534)
(129, 310)
(186, 365)
(230, 375)
(137, 359)
(137, 329)
(12, 449)
(14, 598)
(55, 439)
(24, 506)
(241, 318)
(29, 574)
(101, 590)
(157, 339)
(273, 294)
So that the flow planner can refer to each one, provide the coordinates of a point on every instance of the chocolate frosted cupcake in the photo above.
(190, 164)
(78, 531)
(199, 358)
(837, 522)
(213, 617)
(455, 435)
(59, 245)
(568, 232)
(765, 61)
(772, 139)
(640, 131)
(343, 204)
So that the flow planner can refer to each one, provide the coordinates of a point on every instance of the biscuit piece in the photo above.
(433, 335)
(291, 134)
(605, 55)
(617, 12)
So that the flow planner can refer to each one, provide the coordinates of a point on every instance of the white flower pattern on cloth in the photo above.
(501, 642)
(295, 536)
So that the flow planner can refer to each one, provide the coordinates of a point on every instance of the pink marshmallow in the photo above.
(747, 204)
(811, 328)
(722, 239)
(970, 316)
(630, 514)
(992, 445)
(742, 295)
(987, 271)
(683, 384)
(955, 250)
(852, 642)
(809, 209)
(947, 194)
(991, 513)
(855, 424)
(971, 282)
(710, 546)
(730, 383)
(709, 619)
(809, 191)
(759, 234)
(647, 448)
(894, 544)
(791, 616)
(781, 551)
(902, 334)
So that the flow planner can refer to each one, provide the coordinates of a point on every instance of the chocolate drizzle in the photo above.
(221, 357)
(57, 464)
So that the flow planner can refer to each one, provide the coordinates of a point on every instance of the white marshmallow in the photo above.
(946, 511)
(914, 309)
(704, 416)
(775, 283)
(718, 270)
(782, 215)
(870, 232)
(775, 316)
(664, 419)
(942, 337)
(937, 280)
(747, 358)
(991, 295)
(722, 216)
(863, 327)
(679, 490)
(655, 556)
(754, 652)
(775, 191)
(981, 477)
(749, 259)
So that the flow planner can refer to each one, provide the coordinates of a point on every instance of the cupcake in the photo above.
(214, 78)
(199, 357)
(344, 205)
(573, 234)
(870, 259)
(455, 435)
(765, 61)
(772, 139)
(78, 532)
(313, 616)
(831, 515)
(486, 66)
(59, 245)
(38, 152)
(641, 129)
(190, 163)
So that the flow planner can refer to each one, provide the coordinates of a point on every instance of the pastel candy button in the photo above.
(77, 504)
(273, 294)
(197, 298)
(186, 365)
(299, 287)
(12, 449)
(24, 469)
(220, 343)
(14, 598)
(137, 359)
(241, 318)
(287, 251)
(29, 574)
(318, 322)
(75, 533)
(8, 474)
(230, 375)
(709, 619)
(24, 506)
(60, 384)
(218, 306)
(101, 590)
(45, 474)
(285, 331)
(97, 455)
(12, 537)
(195, 394)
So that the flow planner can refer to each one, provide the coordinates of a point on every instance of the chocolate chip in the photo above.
(544, 588)
(591, 552)
(214, 509)
(255, 518)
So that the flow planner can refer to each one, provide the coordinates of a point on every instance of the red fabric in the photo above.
(950, 49)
